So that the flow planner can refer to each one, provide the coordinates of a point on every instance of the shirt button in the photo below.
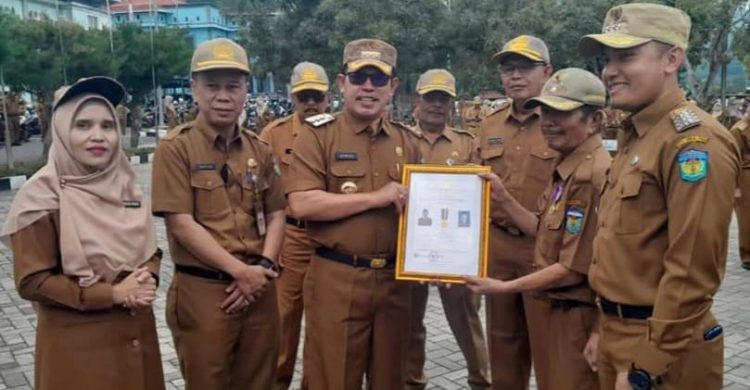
(376, 174)
(208, 183)
(135, 343)
(348, 171)
(518, 148)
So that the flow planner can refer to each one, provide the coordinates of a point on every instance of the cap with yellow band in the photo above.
(220, 53)
(527, 46)
(569, 89)
(370, 52)
(309, 76)
(436, 80)
(635, 24)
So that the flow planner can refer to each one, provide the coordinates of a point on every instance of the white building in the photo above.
(87, 13)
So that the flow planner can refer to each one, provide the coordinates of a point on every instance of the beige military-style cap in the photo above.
(437, 80)
(370, 52)
(527, 46)
(219, 53)
(631, 25)
(569, 89)
(308, 75)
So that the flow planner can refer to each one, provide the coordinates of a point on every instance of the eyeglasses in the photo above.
(307, 95)
(522, 68)
(378, 79)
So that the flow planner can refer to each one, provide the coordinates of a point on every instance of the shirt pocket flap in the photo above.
(631, 186)
(542, 153)
(347, 169)
(555, 220)
(207, 180)
(487, 154)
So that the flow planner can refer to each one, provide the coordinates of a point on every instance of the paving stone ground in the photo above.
(445, 364)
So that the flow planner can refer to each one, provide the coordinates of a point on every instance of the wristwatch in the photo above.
(640, 379)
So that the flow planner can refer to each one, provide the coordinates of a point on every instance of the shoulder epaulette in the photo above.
(684, 118)
(177, 130)
(741, 125)
(320, 120)
(411, 130)
(462, 131)
(252, 135)
(279, 122)
(502, 107)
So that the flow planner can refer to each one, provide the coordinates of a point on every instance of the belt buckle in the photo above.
(378, 263)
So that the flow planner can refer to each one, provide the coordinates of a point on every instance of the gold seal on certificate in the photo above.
(443, 231)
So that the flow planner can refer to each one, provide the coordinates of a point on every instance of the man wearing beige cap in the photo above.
(661, 247)
(571, 115)
(444, 145)
(310, 97)
(345, 182)
(511, 142)
(219, 191)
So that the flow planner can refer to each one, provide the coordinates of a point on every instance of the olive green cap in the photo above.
(370, 52)
(569, 89)
(631, 25)
(307, 75)
(527, 46)
(219, 53)
(436, 80)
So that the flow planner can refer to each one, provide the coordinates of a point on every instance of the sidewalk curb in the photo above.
(10, 183)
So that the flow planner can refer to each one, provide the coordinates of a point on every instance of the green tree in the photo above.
(172, 50)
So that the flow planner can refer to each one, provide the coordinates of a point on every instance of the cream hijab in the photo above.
(98, 236)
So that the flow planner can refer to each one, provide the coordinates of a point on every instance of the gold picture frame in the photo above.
(414, 254)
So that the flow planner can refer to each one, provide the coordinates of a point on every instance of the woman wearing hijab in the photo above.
(85, 254)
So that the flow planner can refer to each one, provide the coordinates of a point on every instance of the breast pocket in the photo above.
(252, 192)
(540, 164)
(551, 240)
(347, 177)
(492, 157)
(209, 195)
(630, 214)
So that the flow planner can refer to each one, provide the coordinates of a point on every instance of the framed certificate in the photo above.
(443, 231)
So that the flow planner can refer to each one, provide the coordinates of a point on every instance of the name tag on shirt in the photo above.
(205, 167)
(495, 141)
(131, 204)
(346, 156)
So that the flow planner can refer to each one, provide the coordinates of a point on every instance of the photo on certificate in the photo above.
(443, 231)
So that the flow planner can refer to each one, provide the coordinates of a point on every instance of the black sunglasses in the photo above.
(378, 79)
(307, 95)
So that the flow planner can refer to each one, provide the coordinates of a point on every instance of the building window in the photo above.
(93, 21)
(198, 18)
(186, 18)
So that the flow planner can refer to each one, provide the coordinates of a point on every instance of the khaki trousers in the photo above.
(701, 367)
(357, 324)
(219, 351)
(295, 255)
(516, 323)
(569, 331)
(742, 208)
(461, 309)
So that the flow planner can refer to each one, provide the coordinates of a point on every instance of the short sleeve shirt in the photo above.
(348, 153)
(223, 185)
(568, 208)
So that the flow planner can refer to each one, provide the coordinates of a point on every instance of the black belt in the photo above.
(296, 222)
(223, 276)
(567, 304)
(625, 311)
(355, 261)
(203, 273)
(510, 230)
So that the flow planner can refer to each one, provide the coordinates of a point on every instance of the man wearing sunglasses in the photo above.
(511, 142)
(310, 97)
(345, 182)
(442, 144)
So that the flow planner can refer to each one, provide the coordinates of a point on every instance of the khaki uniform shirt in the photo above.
(567, 224)
(280, 135)
(452, 147)
(517, 152)
(741, 133)
(197, 172)
(346, 151)
(664, 223)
